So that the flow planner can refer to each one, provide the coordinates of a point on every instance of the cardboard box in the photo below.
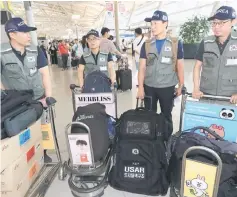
(23, 186)
(35, 169)
(12, 148)
(12, 175)
(19, 191)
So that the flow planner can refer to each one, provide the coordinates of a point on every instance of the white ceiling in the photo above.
(54, 18)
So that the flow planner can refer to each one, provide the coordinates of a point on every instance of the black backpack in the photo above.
(227, 151)
(96, 82)
(140, 162)
(96, 118)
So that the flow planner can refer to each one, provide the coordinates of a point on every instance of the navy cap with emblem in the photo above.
(93, 32)
(17, 25)
(224, 13)
(158, 16)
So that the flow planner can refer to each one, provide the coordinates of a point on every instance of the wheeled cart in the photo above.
(88, 178)
(215, 118)
(44, 179)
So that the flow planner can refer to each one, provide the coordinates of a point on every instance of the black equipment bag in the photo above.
(124, 79)
(18, 111)
(124, 75)
(95, 117)
(140, 162)
(225, 149)
(75, 62)
(96, 82)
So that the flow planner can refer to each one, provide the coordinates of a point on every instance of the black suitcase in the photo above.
(124, 79)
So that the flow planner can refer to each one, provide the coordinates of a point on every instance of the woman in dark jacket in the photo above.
(53, 53)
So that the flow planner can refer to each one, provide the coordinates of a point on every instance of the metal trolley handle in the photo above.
(74, 86)
(84, 126)
(218, 173)
(50, 101)
(223, 98)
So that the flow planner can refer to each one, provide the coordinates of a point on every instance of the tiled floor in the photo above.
(126, 100)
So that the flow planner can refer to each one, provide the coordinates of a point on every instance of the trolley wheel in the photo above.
(62, 172)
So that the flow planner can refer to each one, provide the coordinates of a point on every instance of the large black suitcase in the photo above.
(140, 162)
(124, 79)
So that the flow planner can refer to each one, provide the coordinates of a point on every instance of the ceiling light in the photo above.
(75, 17)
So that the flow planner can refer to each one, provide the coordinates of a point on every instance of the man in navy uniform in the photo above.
(215, 71)
(159, 72)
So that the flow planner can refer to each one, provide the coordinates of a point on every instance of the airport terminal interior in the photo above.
(68, 20)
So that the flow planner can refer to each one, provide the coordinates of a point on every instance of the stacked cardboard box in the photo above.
(21, 160)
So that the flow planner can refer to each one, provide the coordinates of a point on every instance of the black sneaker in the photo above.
(47, 159)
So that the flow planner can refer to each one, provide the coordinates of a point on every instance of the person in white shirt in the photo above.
(137, 45)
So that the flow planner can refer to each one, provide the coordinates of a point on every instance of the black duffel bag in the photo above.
(95, 117)
(18, 111)
(226, 150)
(140, 163)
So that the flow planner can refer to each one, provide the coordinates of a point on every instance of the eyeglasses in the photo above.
(220, 23)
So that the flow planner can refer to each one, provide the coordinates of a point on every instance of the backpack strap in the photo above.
(140, 40)
(174, 41)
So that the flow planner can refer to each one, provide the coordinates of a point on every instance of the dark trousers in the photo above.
(54, 59)
(165, 96)
(64, 60)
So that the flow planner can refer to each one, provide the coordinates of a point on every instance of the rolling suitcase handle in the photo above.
(142, 106)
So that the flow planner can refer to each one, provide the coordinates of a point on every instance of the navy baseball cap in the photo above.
(158, 16)
(93, 32)
(224, 13)
(17, 24)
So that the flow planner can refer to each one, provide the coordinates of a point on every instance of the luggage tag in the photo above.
(103, 68)
(47, 133)
(80, 149)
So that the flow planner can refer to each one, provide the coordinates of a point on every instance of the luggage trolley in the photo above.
(197, 116)
(41, 184)
(88, 178)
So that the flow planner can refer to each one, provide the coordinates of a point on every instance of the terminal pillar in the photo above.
(30, 21)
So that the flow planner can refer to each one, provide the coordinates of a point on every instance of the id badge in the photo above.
(231, 62)
(165, 60)
(33, 71)
(103, 68)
